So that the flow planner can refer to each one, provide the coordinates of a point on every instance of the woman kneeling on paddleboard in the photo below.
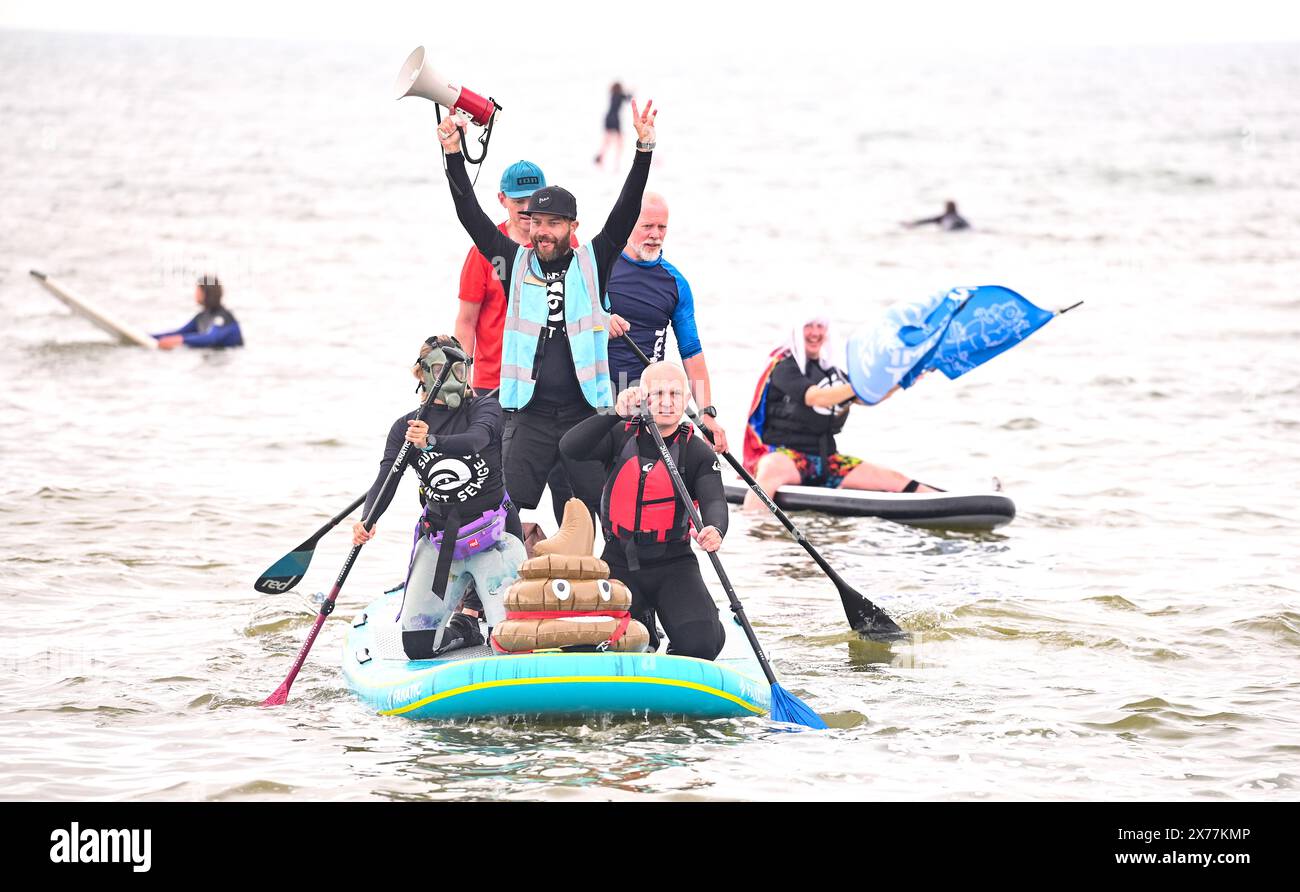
(647, 529)
(801, 403)
(468, 532)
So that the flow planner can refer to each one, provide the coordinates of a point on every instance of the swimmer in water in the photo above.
(949, 220)
(214, 326)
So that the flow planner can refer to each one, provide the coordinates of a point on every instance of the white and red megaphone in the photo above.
(418, 78)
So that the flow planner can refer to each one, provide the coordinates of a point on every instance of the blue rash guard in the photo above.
(649, 294)
(211, 328)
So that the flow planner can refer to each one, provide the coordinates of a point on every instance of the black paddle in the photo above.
(865, 618)
(786, 707)
(281, 694)
(285, 573)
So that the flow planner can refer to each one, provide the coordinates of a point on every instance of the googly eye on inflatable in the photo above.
(606, 591)
(562, 589)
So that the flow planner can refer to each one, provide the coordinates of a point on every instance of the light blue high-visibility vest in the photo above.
(585, 321)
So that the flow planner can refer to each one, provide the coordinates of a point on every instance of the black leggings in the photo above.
(675, 590)
(530, 452)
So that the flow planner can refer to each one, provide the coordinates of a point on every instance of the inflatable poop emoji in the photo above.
(576, 535)
(567, 554)
(564, 597)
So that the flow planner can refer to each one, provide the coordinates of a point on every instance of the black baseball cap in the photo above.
(552, 200)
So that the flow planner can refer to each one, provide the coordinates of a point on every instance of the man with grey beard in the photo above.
(649, 292)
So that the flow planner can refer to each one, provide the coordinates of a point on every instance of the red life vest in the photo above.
(639, 507)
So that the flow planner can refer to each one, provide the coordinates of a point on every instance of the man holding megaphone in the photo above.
(554, 352)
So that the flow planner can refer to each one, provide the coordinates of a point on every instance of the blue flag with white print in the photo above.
(952, 331)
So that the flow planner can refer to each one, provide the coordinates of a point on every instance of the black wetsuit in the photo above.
(616, 101)
(532, 433)
(210, 328)
(949, 220)
(463, 470)
(668, 582)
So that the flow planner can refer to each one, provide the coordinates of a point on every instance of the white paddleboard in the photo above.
(125, 333)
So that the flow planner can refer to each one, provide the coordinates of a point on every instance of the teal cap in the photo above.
(522, 179)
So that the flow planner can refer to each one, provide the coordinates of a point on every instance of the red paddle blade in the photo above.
(280, 697)
(281, 694)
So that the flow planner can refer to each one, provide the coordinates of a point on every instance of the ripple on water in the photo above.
(109, 712)
(272, 614)
(1114, 602)
(1158, 718)
(328, 442)
(58, 493)
(258, 789)
(1283, 628)
(1113, 381)
(1021, 424)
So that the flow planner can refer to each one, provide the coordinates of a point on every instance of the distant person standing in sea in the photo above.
(214, 326)
(949, 219)
(613, 126)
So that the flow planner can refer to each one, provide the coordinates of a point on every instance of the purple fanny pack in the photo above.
(475, 535)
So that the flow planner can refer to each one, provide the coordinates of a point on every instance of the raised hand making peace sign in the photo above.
(644, 122)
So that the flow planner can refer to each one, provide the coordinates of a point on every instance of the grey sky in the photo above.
(689, 23)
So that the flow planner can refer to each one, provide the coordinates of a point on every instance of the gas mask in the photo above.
(431, 366)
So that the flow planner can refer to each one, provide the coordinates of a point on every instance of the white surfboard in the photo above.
(125, 333)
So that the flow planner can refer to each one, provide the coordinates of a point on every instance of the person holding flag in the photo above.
(804, 394)
(801, 402)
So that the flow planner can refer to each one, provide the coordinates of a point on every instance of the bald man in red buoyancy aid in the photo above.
(647, 528)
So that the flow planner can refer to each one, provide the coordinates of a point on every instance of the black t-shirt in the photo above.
(556, 381)
(464, 467)
(602, 438)
(791, 422)
(557, 384)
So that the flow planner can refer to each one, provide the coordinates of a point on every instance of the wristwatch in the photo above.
(645, 146)
(431, 443)
(710, 411)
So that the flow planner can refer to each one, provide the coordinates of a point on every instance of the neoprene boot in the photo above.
(462, 631)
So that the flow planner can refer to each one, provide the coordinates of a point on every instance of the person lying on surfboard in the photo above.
(214, 326)
(468, 533)
(647, 529)
(801, 402)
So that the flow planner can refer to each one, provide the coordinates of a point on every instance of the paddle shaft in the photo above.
(333, 522)
(281, 693)
(271, 582)
(684, 494)
(863, 616)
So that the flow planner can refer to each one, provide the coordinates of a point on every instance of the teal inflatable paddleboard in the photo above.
(478, 683)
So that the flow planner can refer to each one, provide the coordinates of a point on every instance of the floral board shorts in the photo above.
(813, 471)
